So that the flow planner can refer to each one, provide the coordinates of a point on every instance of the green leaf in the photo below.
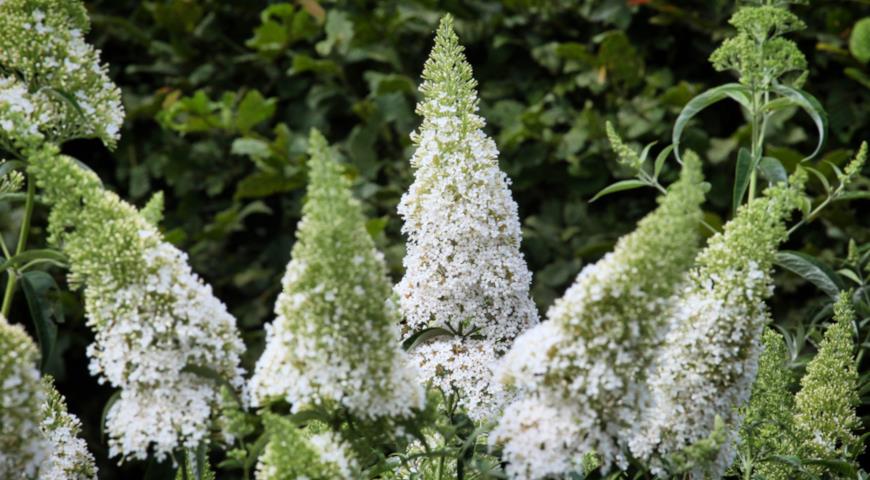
(859, 40)
(303, 417)
(845, 272)
(812, 270)
(108, 406)
(742, 174)
(660, 160)
(304, 63)
(10, 165)
(339, 33)
(821, 177)
(810, 105)
(37, 286)
(790, 460)
(858, 195)
(212, 374)
(27, 256)
(734, 91)
(773, 170)
(254, 109)
(618, 187)
(842, 467)
(263, 184)
(425, 335)
(69, 99)
(376, 225)
(250, 147)
(645, 153)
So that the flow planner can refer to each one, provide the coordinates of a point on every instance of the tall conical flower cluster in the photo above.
(767, 422)
(581, 373)
(335, 338)
(463, 269)
(709, 357)
(154, 319)
(825, 420)
(38, 437)
(43, 52)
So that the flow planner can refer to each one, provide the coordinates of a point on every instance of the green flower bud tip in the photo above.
(767, 422)
(626, 155)
(335, 338)
(586, 365)
(825, 417)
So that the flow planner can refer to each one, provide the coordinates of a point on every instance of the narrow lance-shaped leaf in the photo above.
(772, 170)
(810, 105)
(735, 91)
(36, 286)
(812, 270)
(619, 187)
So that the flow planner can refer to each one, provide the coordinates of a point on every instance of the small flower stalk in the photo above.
(581, 373)
(38, 437)
(155, 321)
(709, 358)
(335, 339)
(464, 273)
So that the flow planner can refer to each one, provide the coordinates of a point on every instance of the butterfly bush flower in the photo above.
(22, 447)
(825, 418)
(581, 373)
(464, 272)
(38, 437)
(758, 53)
(21, 114)
(42, 43)
(767, 422)
(153, 318)
(335, 338)
(709, 357)
(69, 458)
(311, 453)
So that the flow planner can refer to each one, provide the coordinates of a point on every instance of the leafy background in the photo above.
(221, 95)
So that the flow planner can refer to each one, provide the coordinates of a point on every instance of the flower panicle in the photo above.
(335, 336)
(68, 90)
(585, 364)
(464, 272)
(155, 322)
(710, 354)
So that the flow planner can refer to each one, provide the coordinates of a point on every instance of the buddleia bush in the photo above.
(660, 360)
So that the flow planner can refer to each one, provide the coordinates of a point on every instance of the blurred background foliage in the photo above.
(221, 95)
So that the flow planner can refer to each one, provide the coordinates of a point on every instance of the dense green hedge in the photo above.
(221, 95)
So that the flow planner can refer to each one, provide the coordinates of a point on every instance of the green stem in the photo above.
(812, 215)
(22, 244)
(756, 144)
